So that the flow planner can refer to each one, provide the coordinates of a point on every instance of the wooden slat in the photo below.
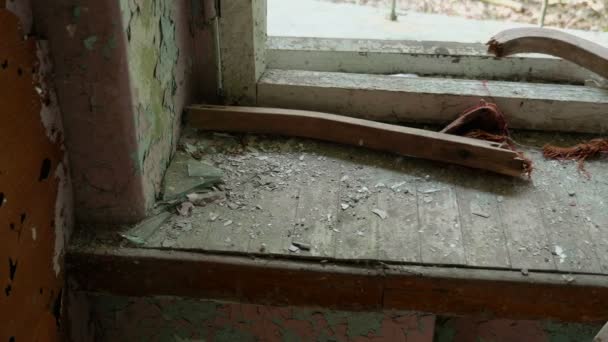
(527, 239)
(275, 222)
(317, 211)
(551, 42)
(500, 294)
(219, 236)
(440, 227)
(592, 200)
(571, 242)
(436, 100)
(358, 229)
(398, 236)
(379, 136)
(482, 229)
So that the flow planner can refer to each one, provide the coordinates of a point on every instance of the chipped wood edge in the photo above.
(358, 132)
(580, 51)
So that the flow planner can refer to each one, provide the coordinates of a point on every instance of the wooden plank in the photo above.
(398, 236)
(591, 199)
(482, 229)
(317, 211)
(216, 228)
(357, 236)
(441, 59)
(274, 224)
(526, 234)
(430, 100)
(497, 294)
(568, 233)
(379, 136)
(440, 227)
(575, 49)
(506, 294)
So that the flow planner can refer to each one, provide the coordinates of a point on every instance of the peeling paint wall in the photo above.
(158, 52)
(87, 47)
(123, 75)
(35, 190)
(179, 319)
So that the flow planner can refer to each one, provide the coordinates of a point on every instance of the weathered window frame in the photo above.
(356, 77)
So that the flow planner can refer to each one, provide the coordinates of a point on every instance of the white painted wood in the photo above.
(242, 48)
(432, 100)
(442, 59)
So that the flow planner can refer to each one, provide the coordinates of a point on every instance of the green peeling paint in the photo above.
(153, 54)
(89, 42)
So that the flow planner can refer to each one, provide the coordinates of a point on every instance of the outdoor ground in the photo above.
(572, 14)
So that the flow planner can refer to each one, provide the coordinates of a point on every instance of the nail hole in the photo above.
(45, 169)
(11, 339)
(22, 217)
(4, 64)
(12, 225)
(1, 199)
(19, 71)
(8, 289)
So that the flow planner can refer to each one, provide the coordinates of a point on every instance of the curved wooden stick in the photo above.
(577, 50)
(351, 131)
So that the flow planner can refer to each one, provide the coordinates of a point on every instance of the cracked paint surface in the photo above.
(35, 192)
(118, 318)
(123, 79)
(179, 319)
(153, 57)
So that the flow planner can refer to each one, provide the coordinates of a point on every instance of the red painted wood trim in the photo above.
(440, 290)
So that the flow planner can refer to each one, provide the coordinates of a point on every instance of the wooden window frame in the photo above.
(355, 77)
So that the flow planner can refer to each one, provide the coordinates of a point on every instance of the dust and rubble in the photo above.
(227, 192)
(216, 180)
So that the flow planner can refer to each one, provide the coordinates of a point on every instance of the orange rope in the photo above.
(581, 152)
